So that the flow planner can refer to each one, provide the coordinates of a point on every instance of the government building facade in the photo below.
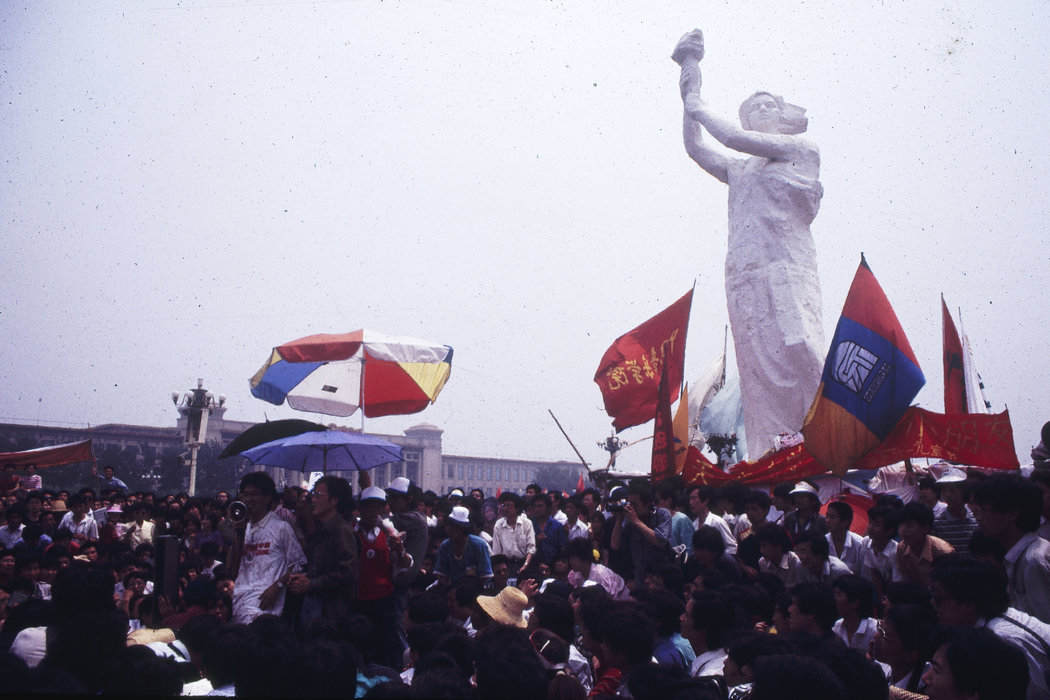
(422, 459)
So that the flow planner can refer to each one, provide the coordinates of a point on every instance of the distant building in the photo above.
(422, 460)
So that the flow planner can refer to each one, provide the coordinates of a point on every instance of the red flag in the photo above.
(579, 484)
(976, 439)
(663, 462)
(954, 376)
(629, 372)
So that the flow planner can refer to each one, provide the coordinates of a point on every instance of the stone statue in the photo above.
(771, 267)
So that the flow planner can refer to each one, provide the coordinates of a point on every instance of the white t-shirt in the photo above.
(85, 529)
(8, 537)
(853, 551)
(270, 549)
(722, 526)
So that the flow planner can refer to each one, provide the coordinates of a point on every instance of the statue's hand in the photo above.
(691, 45)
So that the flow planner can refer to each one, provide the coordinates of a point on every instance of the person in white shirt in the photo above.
(1009, 508)
(513, 535)
(977, 665)
(930, 495)
(141, 529)
(880, 549)
(818, 564)
(699, 500)
(574, 526)
(706, 623)
(12, 531)
(79, 520)
(970, 592)
(900, 644)
(844, 544)
(777, 555)
(264, 554)
(855, 599)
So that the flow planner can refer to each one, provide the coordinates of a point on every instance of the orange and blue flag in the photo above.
(870, 378)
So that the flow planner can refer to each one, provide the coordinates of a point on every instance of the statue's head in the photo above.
(768, 113)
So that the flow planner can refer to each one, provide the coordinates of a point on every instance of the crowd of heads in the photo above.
(733, 590)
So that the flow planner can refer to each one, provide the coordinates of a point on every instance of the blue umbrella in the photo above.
(321, 451)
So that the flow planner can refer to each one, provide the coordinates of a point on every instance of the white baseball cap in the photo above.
(373, 493)
(401, 485)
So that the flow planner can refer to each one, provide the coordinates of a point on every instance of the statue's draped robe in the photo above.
(774, 295)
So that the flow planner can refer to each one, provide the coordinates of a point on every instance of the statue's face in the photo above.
(763, 114)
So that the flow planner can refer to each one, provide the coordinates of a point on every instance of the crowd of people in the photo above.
(642, 590)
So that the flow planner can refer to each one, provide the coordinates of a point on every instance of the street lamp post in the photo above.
(196, 406)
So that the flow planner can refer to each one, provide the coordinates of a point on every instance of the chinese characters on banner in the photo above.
(629, 372)
(663, 461)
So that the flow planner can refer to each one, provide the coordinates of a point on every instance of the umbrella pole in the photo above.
(324, 463)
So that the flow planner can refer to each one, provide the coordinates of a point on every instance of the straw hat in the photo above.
(58, 504)
(145, 635)
(507, 607)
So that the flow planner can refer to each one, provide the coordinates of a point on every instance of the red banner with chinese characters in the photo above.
(790, 464)
(55, 456)
(629, 372)
(663, 460)
(974, 439)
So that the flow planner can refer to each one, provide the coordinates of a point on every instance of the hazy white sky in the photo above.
(187, 184)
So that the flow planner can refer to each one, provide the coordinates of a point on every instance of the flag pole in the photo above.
(558, 423)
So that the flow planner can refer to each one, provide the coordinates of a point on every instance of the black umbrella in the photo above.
(268, 432)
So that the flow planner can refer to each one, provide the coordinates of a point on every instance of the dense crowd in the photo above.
(642, 590)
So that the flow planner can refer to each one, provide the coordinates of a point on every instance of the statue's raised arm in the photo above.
(769, 126)
(772, 288)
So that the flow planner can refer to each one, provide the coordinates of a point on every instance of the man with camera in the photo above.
(265, 551)
(644, 531)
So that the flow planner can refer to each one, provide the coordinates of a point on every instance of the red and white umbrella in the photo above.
(336, 374)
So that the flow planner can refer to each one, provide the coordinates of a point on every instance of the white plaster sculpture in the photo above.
(771, 267)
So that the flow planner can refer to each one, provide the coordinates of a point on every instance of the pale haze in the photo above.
(187, 184)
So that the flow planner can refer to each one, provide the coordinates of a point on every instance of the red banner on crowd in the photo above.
(973, 439)
(54, 456)
(629, 372)
(954, 376)
(790, 464)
